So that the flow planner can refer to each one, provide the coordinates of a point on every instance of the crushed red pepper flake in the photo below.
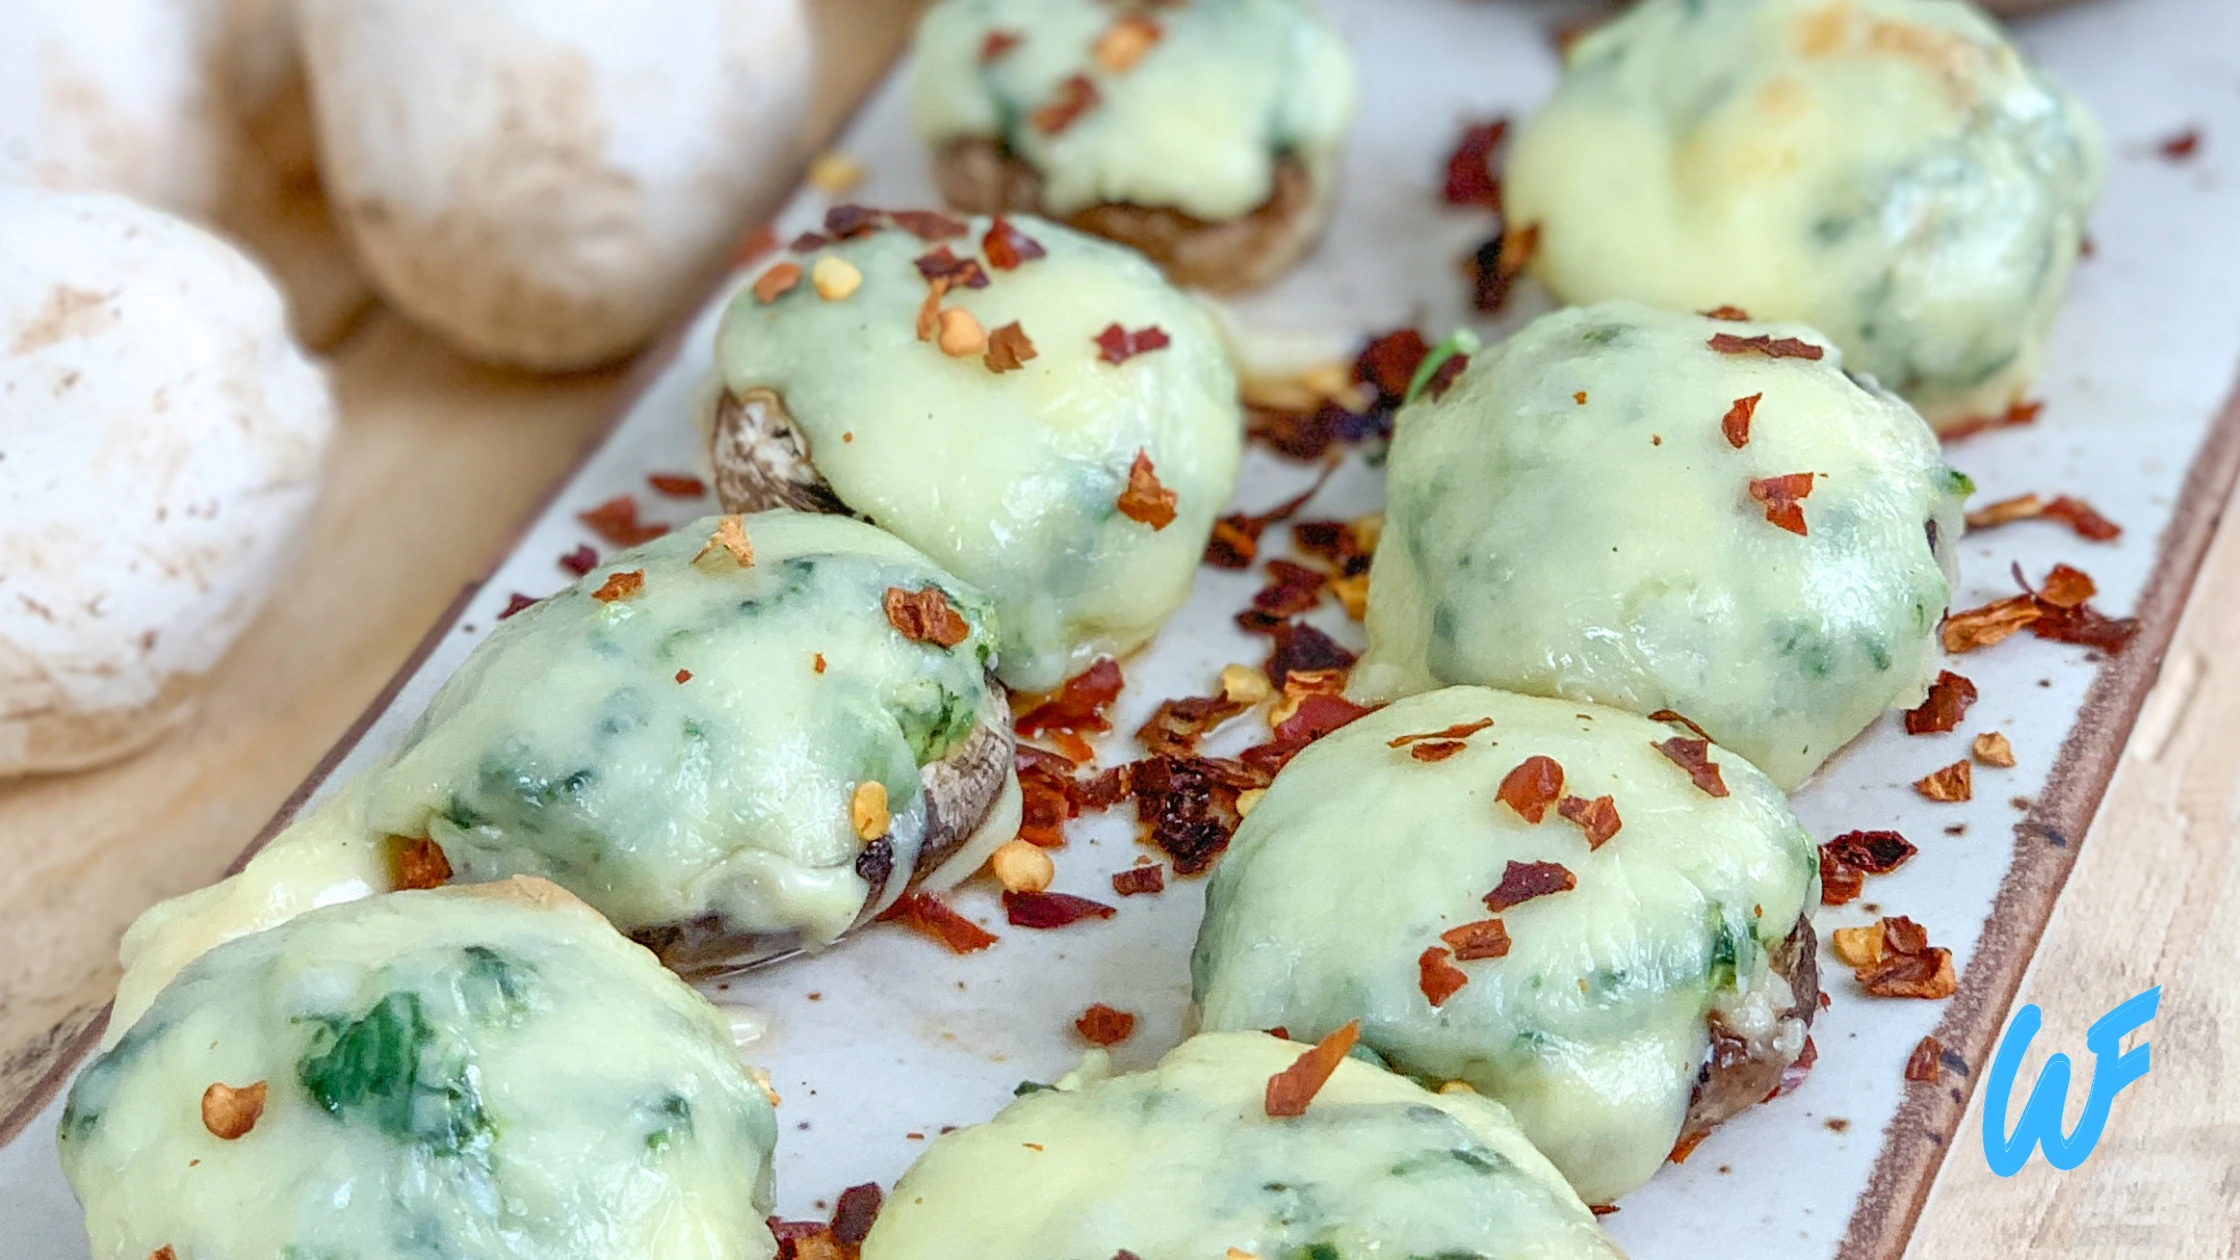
(1292, 589)
(1955, 782)
(1125, 42)
(1009, 349)
(930, 226)
(1116, 345)
(616, 521)
(1437, 750)
(1687, 1145)
(1144, 499)
(1840, 882)
(848, 220)
(1922, 1065)
(618, 586)
(1485, 938)
(809, 242)
(2018, 412)
(2066, 587)
(2180, 146)
(778, 281)
(684, 676)
(1731, 314)
(1766, 344)
(929, 310)
(941, 265)
(1670, 715)
(1236, 537)
(1079, 705)
(677, 485)
(1471, 178)
(1046, 910)
(1049, 795)
(1187, 806)
(2078, 515)
(1176, 726)
(1494, 266)
(754, 245)
(515, 603)
(1981, 627)
(1783, 499)
(229, 1113)
(1949, 699)
(1007, 247)
(1598, 818)
(1906, 965)
(1523, 881)
(1736, 424)
(581, 561)
(926, 616)
(1291, 1090)
(1445, 375)
(2086, 627)
(417, 863)
(1315, 717)
(1140, 881)
(855, 1212)
(929, 915)
(1103, 1025)
(1389, 363)
(997, 43)
(1870, 852)
(1437, 977)
(1693, 756)
(1460, 730)
(1301, 647)
(1076, 95)
(1532, 787)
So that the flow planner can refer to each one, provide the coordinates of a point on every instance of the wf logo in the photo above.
(2113, 1067)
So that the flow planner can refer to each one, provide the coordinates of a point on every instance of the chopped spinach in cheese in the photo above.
(1892, 172)
(1011, 480)
(1196, 124)
(1592, 1027)
(1572, 519)
(1181, 1162)
(476, 1073)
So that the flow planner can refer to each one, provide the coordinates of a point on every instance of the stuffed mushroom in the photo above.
(1660, 512)
(1599, 920)
(1184, 1161)
(1891, 172)
(1037, 410)
(476, 1073)
(1205, 135)
(743, 738)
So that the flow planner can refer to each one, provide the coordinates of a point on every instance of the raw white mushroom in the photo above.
(547, 182)
(160, 439)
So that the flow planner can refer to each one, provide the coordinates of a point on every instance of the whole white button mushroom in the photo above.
(160, 440)
(547, 182)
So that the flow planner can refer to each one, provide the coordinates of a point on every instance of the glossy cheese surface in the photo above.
(469, 1073)
(1571, 519)
(1196, 124)
(1591, 1029)
(1182, 1162)
(1011, 480)
(1892, 172)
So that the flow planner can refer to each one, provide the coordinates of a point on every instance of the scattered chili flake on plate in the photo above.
(1437, 977)
(1176, 726)
(1840, 882)
(1140, 881)
(1953, 783)
(2018, 412)
(2078, 515)
(1292, 1089)
(1116, 345)
(515, 603)
(1485, 938)
(581, 561)
(1949, 699)
(930, 226)
(1075, 96)
(849, 220)
(616, 521)
(1103, 1025)
(1236, 537)
(1783, 499)
(941, 265)
(417, 863)
(1523, 881)
(1981, 627)
(1493, 267)
(1531, 787)
(677, 485)
(926, 616)
(1992, 749)
(777, 281)
(1598, 818)
(928, 915)
(854, 1213)
(2066, 587)
(1301, 647)
(1692, 755)
(1471, 178)
(1049, 795)
(1923, 1063)
(1079, 705)
(1736, 424)
(1900, 962)
(1045, 910)
(1315, 717)
(1871, 852)
(620, 586)
(2180, 146)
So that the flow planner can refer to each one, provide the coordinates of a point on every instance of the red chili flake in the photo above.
(1949, 699)
(1732, 314)
(1079, 705)
(1437, 750)
(2181, 146)
(1300, 647)
(1176, 726)
(1981, 627)
(816, 662)
(1687, 1145)
(997, 43)
(1955, 782)
(1532, 787)
(1049, 795)
(854, 1213)
(515, 603)
(1236, 537)
(1782, 499)
(581, 561)
(926, 616)
(848, 220)
(1909, 967)
(1840, 882)
(1445, 375)
(809, 242)
(684, 676)
(1870, 852)
(1139, 881)
(1668, 715)
(623, 585)
(1471, 178)
(1736, 425)
(1045, 910)
(1494, 266)
(417, 864)
(1389, 362)
(1458, 731)
(2066, 587)
(1009, 349)
(1692, 756)
(2086, 627)
(929, 311)
(1336, 542)
(617, 522)
(1486, 938)
(1923, 1063)
(677, 485)
(942, 265)
(1767, 345)
(753, 245)
(1290, 1090)
(1006, 246)
(1598, 817)
(2075, 513)
(1116, 345)
(1075, 96)
(928, 225)
(928, 915)
(1103, 1025)
(1438, 978)
(2018, 412)
(1316, 716)
(1599, 1209)
(1145, 500)
(1523, 881)
(777, 281)
(1187, 805)
(1291, 589)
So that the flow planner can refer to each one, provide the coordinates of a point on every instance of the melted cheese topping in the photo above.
(1011, 480)
(1592, 1028)
(566, 747)
(1610, 549)
(1182, 1162)
(1891, 172)
(467, 1073)
(1195, 125)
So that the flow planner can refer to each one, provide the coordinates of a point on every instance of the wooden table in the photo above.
(438, 462)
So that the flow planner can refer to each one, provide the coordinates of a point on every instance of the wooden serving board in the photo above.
(2136, 422)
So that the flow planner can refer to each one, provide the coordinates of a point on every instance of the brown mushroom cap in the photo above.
(1739, 1073)
(762, 458)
